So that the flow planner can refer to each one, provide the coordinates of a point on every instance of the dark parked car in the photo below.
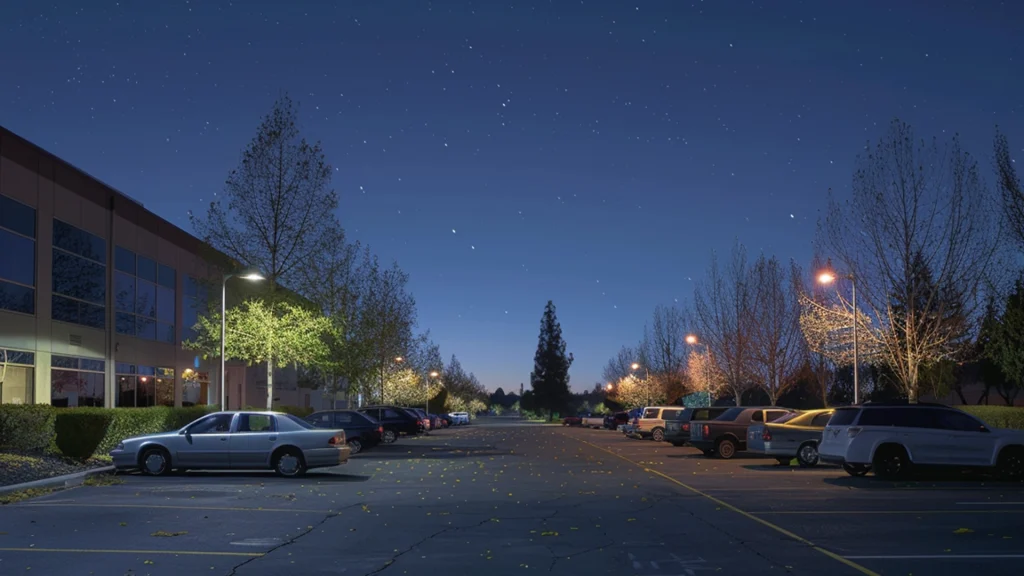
(361, 431)
(572, 421)
(677, 432)
(726, 434)
(396, 421)
(613, 421)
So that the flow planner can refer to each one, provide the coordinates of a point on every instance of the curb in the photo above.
(65, 481)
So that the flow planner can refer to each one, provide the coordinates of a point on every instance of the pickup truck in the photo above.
(726, 434)
(677, 432)
(592, 421)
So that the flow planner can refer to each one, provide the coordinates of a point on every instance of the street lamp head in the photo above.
(634, 366)
(434, 374)
(609, 387)
(691, 339)
(399, 359)
(826, 277)
(251, 274)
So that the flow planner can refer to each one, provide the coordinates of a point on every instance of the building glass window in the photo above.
(164, 385)
(79, 276)
(18, 261)
(145, 297)
(194, 304)
(195, 387)
(17, 376)
(76, 382)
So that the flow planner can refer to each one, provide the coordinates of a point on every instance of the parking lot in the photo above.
(502, 499)
(944, 526)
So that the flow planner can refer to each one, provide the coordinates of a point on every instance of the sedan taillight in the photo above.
(706, 430)
(766, 435)
(380, 429)
(337, 439)
(686, 427)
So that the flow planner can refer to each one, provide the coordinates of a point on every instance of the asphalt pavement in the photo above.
(502, 497)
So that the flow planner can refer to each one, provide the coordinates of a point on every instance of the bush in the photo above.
(998, 416)
(131, 422)
(81, 430)
(293, 410)
(26, 427)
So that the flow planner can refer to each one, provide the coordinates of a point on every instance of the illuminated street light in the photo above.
(635, 366)
(827, 276)
(691, 339)
(609, 387)
(252, 275)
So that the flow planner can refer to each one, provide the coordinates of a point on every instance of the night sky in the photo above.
(507, 153)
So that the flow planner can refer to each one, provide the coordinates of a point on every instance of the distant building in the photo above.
(97, 294)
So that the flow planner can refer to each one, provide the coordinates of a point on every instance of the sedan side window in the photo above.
(757, 416)
(215, 424)
(342, 418)
(252, 423)
(390, 414)
(774, 415)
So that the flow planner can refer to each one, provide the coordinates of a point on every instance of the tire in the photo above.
(658, 435)
(389, 436)
(807, 455)
(891, 462)
(1010, 465)
(355, 446)
(289, 463)
(725, 449)
(856, 469)
(155, 461)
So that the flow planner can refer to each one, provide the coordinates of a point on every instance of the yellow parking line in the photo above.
(164, 552)
(197, 508)
(908, 512)
(726, 505)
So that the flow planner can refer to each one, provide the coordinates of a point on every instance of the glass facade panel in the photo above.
(18, 385)
(76, 382)
(17, 256)
(149, 296)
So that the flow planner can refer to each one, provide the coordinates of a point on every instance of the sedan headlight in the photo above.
(120, 446)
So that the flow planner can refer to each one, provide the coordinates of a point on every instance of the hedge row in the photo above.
(998, 416)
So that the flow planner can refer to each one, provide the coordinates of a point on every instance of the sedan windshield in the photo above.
(299, 422)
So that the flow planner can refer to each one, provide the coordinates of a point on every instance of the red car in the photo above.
(572, 421)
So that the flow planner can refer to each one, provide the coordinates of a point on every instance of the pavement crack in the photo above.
(292, 540)
(409, 549)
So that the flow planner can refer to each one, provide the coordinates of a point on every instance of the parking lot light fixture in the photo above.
(252, 275)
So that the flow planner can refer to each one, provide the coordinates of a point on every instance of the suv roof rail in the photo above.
(872, 403)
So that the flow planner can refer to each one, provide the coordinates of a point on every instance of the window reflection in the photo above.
(17, 256)
(76, 382)
(149, 298)
(18, 383)
(79, 276)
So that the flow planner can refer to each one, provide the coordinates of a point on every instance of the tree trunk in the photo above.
(960, 393)
(738, 393)
(270, 383)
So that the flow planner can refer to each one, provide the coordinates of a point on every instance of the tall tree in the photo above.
(722, 305)
(1005, 344)
(387, 317)
(550, 376)
(279, 206)
(1012, 191)
(915, 204)
(663, 352)
(778, 347)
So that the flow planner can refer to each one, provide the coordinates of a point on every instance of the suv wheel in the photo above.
(725, 448)
(389, 436)
(658, 435)
(807, 455)
(891, 462)
(856, 469)
(1010, 465)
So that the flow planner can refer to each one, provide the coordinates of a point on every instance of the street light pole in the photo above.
(828, 277)
(250, 274)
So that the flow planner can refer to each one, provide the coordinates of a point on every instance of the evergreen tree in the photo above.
(1004, 344)
(550, 376)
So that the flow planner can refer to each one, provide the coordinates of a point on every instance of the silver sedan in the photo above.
(235, 441)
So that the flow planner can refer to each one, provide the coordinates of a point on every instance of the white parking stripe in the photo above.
(990, 503)
(939, 557)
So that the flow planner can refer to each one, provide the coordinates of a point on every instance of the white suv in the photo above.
(891, 438)
(651, 423)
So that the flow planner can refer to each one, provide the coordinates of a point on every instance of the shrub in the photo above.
(80, 431)
(998, 416)
(26, 427)
(130, 422)
(295, 410)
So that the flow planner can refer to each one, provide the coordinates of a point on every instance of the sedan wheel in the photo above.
(807, 455)
(726, 449)
(155, 462)
(389, 436)
(289, 464)
(1011, 464)
(856, 469)
(355, 446)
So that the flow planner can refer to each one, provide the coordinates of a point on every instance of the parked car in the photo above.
(894, 438)
(677, 432)
(651, 423)
(395, 421)
(795, 435)
(235, 440)
(613, 421)
(460, 418)
(421, 415)
(727, 434)
(572, 421)
(592, 421)
(362, 432)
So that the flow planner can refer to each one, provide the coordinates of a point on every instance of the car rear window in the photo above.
(670, 414)
(789, 416)
(298, 421)
(731, 414)
(843, 417)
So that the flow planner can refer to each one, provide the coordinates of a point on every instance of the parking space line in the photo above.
(940, 557)
(897, 512)
(112, 551)
(990, 503)
(164, 507)
(726, 505)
